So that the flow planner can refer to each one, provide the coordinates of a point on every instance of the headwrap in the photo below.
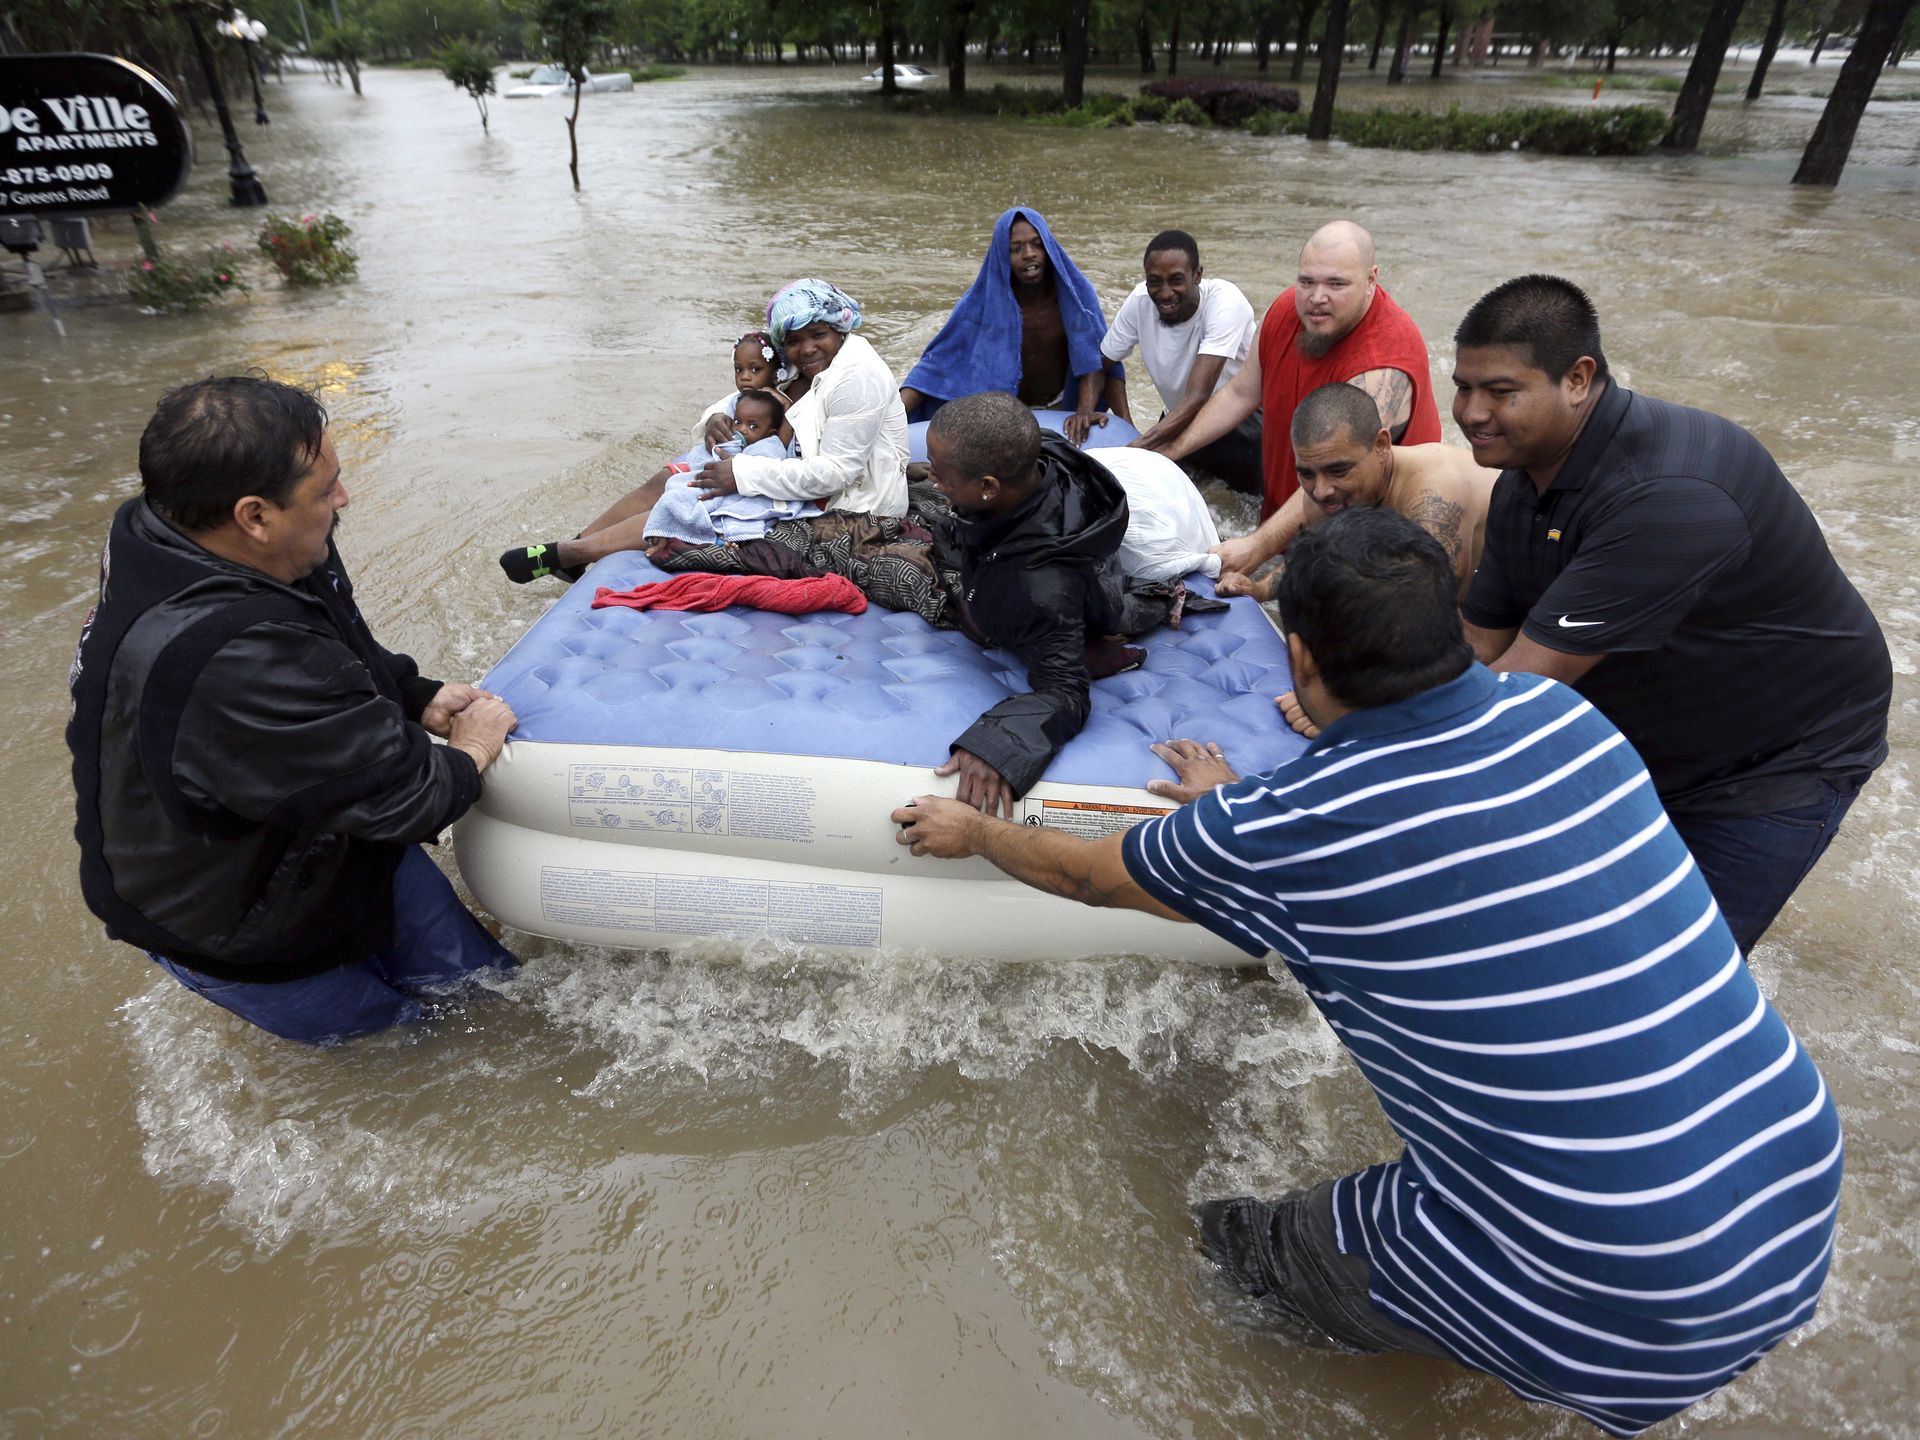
(768, 351)
(978, 349)
(800, 304)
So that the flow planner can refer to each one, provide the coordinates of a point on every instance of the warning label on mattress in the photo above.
(711, 905)
(691, 801)
(1088, 820)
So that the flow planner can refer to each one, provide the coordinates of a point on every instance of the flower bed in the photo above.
(309, 251)
(1543, 129)
(1227, 101)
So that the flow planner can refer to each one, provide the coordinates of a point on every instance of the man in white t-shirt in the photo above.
(1193, 334)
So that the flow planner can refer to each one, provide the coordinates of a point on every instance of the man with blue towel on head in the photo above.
(1029, 325)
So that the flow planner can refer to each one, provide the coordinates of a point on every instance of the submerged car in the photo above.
(554, 80)
(902, 75)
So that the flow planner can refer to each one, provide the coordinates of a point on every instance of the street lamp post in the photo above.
(245, 185)
(250, 33)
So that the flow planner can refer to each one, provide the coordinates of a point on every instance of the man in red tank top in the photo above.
(1334, 324)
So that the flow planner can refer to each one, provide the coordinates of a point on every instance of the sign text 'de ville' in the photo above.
(81, 133)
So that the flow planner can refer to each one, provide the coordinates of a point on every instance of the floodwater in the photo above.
(764, 1193)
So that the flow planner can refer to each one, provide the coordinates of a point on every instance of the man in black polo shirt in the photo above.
(1655, 558)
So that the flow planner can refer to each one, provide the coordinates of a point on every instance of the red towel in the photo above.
(760, 592)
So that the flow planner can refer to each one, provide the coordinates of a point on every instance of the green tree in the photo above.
(1696, 94)
(1826, 153)
(573, 30)
(468, 67)
(1333, 49)
(345, 45)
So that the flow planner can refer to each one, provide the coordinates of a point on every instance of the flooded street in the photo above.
(764, 1193)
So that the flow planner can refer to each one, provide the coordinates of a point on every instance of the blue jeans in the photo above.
(436, 942)
(1754, 862)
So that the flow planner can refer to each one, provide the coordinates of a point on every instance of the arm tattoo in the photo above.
(1440, 518)
(1392, 391)
(1037, 858)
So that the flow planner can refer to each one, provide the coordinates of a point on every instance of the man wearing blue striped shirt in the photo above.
(1620, 1169)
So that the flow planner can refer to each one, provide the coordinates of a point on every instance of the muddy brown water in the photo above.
(760, 1193)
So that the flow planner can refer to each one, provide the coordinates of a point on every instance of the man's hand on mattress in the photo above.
(716, 479)
(481, 729)
(933, 825)
(1232, 582)
(1295, 716)
(719, 429)
(448, 702)
(1080, 423)
(981, 786)
(1199, 764)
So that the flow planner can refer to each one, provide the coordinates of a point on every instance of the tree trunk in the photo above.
(1379, 36)
(1263, 46)
(1819, 44)
(1696, 94)
(1397, 70)
(1173, 47)
(1302, 37)
(1333, 49)
(1613, 50)
(885, 50)
(957, 49)
(353, 73)
(573, 135)
(1826, 154)
(1440, 43)
(1073, 51)
(1768, 46)
(1143, 37)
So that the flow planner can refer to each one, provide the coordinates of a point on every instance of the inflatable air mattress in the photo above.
(680, 775)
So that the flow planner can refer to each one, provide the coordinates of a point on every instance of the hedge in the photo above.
(1543, 129)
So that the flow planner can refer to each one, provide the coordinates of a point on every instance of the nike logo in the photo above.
(1567, 623)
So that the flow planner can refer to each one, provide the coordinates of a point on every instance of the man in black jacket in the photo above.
(253, 770)
(1036, 524)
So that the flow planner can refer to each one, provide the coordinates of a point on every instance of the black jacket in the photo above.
(247, 759)
(1038, 580)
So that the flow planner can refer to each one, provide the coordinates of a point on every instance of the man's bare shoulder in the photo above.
(1445, 471)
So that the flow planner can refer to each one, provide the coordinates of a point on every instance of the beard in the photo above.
(1313, 345)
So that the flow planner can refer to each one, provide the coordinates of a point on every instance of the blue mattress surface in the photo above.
(877, 686)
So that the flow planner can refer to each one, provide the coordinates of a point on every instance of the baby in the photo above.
(758, 370)
(681, 520)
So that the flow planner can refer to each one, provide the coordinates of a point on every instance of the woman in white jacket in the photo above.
(849, 427)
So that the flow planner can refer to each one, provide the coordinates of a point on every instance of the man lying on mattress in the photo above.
(1034, 536)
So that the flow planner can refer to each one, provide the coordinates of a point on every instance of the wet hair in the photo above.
(771, 399)
(1174, 240)
(1374, 599)
(991, 434)
(1549, 318)
(1326, 411)
(214, 442)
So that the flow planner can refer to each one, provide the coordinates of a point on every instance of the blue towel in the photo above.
(681, 514)
(978, 349)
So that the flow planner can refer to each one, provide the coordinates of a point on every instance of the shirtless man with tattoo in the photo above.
(1347, 460)
(1336, 323)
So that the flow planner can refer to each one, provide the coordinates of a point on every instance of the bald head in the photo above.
(1334, 288)
(1340, 236)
